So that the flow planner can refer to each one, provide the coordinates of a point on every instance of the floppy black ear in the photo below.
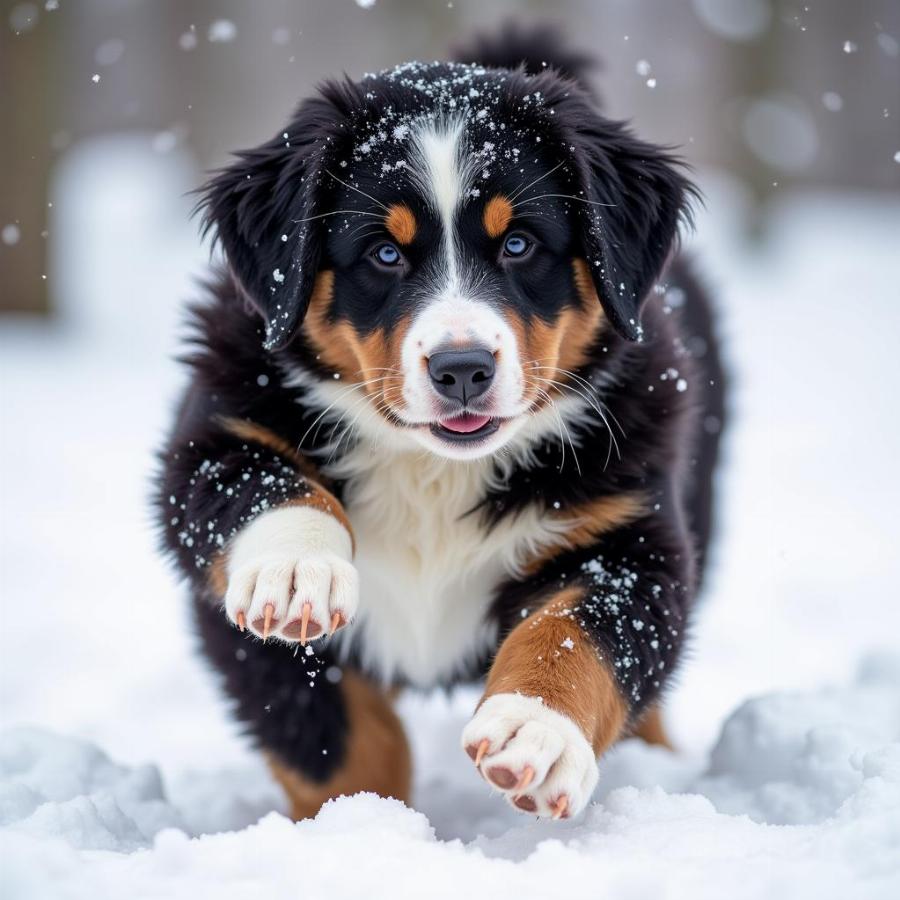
(635, 199)
(261, 206)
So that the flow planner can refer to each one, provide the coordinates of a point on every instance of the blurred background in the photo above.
(112, 110)
(782, 94)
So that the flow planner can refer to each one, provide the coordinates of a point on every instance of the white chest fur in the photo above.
(427, 570)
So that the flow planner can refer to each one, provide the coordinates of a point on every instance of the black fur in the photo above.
(533, 49)
(622, 203)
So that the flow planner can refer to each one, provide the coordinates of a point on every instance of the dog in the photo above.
(454, 411)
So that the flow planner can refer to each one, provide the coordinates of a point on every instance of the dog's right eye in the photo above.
(387, 255)
(516, 246)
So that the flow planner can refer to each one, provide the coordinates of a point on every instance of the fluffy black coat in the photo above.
(662, 395)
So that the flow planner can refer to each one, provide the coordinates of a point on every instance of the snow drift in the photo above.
(799, 797)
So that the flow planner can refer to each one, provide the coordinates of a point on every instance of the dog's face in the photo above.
(445, 248)
(451, 289)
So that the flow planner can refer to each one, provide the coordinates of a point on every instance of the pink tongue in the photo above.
(465, 423)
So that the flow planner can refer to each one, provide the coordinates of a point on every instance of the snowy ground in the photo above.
(121, 774)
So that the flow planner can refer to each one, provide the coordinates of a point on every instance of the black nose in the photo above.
(461, 374)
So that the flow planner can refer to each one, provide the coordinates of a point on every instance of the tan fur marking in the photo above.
(400, 222)
(583, 325)
(538, 346)
(588, 521)
(543, 342)
(325, 501)
(317, 496)
(377, 757)
(548, 350)
(217, 576)
(533, 661)
(321, 332)
(498, 213)
(356, 359)
(651, 729)
(584, 284)
(249, 431)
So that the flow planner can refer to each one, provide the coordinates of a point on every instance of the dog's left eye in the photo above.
(387, 254)
(516, 246)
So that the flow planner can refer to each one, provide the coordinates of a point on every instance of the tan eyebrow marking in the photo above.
(400, 223)
(498, 213)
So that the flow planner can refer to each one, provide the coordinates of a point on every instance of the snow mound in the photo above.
(794, 759)
(53, 786)
(800, 797)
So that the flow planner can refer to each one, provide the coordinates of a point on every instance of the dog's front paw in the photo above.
(537, 757)
(295, 599)
(289, 576)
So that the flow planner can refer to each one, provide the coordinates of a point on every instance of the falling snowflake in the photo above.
(222, 31)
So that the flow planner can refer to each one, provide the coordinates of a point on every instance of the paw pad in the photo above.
(519, 745)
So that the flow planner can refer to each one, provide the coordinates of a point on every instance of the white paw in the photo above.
(290, 576)
(537, 757)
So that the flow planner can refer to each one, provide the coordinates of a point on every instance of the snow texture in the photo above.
(122, 774)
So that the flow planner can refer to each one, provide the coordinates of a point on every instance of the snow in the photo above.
(60, 787)
(109, 52)
(122, 774)
(188, 40)
(888, 44)
(222, 31)
(780, 130)
(799, 798)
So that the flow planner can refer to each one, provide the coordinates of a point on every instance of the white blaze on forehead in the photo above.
(451, 316)
(444, 177)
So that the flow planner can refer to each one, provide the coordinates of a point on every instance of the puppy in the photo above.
(453, 415)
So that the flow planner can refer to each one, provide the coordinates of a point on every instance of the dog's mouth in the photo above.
(467, 427)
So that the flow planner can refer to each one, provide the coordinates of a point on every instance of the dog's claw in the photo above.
(241, 620)
(335, 622)
(304, 621)
(267, 621)
(560, 807)
(524, 781)
(480, 752)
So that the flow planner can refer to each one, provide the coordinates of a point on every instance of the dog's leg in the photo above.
(550, 707)
(591, 635)
(376, 754)
(325, 729)
(651, 729)
(252, 518)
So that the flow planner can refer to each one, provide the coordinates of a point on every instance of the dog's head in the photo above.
(453, 244)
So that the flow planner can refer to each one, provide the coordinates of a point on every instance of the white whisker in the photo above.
(338, 212)
(564, 197)
(358, 191)
(547, 174)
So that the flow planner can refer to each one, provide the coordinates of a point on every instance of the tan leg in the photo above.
(574, 683)
(651, 729)
(378, 757)
(551, 706)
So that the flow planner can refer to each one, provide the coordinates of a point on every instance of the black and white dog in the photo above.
(454, 414)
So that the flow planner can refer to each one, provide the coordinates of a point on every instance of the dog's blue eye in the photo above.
(387, 254)
(516, 245)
